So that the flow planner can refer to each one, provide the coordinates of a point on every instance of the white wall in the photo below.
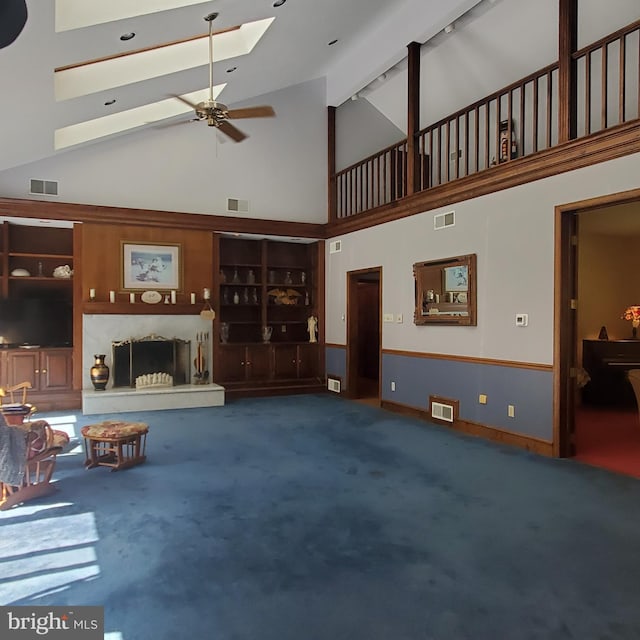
(361, 131)
(281, 168)
(512, 233)
(490, 48)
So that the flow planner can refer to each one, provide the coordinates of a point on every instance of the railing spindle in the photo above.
(603, 92)
(621, 81)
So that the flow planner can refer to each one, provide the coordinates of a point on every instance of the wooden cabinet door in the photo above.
(55, 370)
(308, 361)
(259, 361)
(24, 366)
(233, 363)
(285, 361)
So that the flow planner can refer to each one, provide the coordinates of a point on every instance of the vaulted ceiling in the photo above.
(105, 80)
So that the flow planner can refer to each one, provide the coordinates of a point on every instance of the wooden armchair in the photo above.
(28, 450)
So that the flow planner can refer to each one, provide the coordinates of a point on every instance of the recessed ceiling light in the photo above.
(128, 36)
(279, 3)
(332, 42)
(110, 102)
(231, 69)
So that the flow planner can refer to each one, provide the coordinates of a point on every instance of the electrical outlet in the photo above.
(482, 398)
(511, 411)
(393, 385)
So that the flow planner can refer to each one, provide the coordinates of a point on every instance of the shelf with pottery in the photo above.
(265, 295)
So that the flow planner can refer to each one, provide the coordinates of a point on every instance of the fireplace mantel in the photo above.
(140, 308)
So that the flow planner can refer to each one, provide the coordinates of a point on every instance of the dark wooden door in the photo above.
(56, 370)
(308, 361)
(232, 364)
(258, 361)
(24, 366)
(285, 361)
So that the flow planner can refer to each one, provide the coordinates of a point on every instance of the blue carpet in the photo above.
(313, 517)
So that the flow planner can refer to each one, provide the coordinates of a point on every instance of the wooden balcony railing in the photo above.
(512, 122)
(516, 121)
(374, 181)
(609, 81)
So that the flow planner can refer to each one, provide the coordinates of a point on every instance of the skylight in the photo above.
(75, 14)
(106, 74)
(130, 119)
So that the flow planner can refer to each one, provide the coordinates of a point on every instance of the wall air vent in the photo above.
(333, 385)
(444, 220)
(239, 206)
(335, 246)
(443, 410)
(43, 187)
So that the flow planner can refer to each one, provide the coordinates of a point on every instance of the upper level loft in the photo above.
(581, 109)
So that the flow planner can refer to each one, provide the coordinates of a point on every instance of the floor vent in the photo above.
(333, 385)
(444, 220)
(43, 187)
(240, 206)
(443, 410)
(335, 246)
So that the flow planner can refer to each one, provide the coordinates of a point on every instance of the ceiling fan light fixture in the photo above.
(128, 36)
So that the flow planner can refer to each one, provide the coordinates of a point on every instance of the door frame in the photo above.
(353, 277)
(565, 317)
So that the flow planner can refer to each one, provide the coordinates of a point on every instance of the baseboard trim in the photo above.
(528, 443)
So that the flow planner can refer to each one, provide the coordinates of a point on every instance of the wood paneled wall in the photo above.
(101, 258)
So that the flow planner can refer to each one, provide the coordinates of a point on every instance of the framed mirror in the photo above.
(445, 291)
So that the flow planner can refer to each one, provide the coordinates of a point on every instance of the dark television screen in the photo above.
(36, 321)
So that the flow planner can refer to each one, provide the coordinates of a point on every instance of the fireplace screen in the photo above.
(154, 360)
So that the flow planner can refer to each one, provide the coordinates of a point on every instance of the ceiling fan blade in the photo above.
(191, 104)
(252, 112)
(231, 131)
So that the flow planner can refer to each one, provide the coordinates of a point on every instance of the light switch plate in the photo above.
(388, 317)
(399, 318)
(522, 319)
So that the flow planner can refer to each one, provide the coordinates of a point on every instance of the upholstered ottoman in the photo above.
(115, 443)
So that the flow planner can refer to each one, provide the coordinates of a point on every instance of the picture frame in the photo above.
(456, 278)
(147, 266)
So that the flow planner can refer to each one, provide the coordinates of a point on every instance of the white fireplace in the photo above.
(99, 331)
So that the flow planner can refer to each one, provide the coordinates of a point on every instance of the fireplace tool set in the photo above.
(201, 375)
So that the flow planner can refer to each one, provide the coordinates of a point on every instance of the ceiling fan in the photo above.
(217, 114)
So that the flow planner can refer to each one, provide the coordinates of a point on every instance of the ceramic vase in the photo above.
(99, 373)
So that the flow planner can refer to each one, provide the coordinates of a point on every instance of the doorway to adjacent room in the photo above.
(364, 334)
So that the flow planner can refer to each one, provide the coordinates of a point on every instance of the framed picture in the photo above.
(151, 266)
(456, 278)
